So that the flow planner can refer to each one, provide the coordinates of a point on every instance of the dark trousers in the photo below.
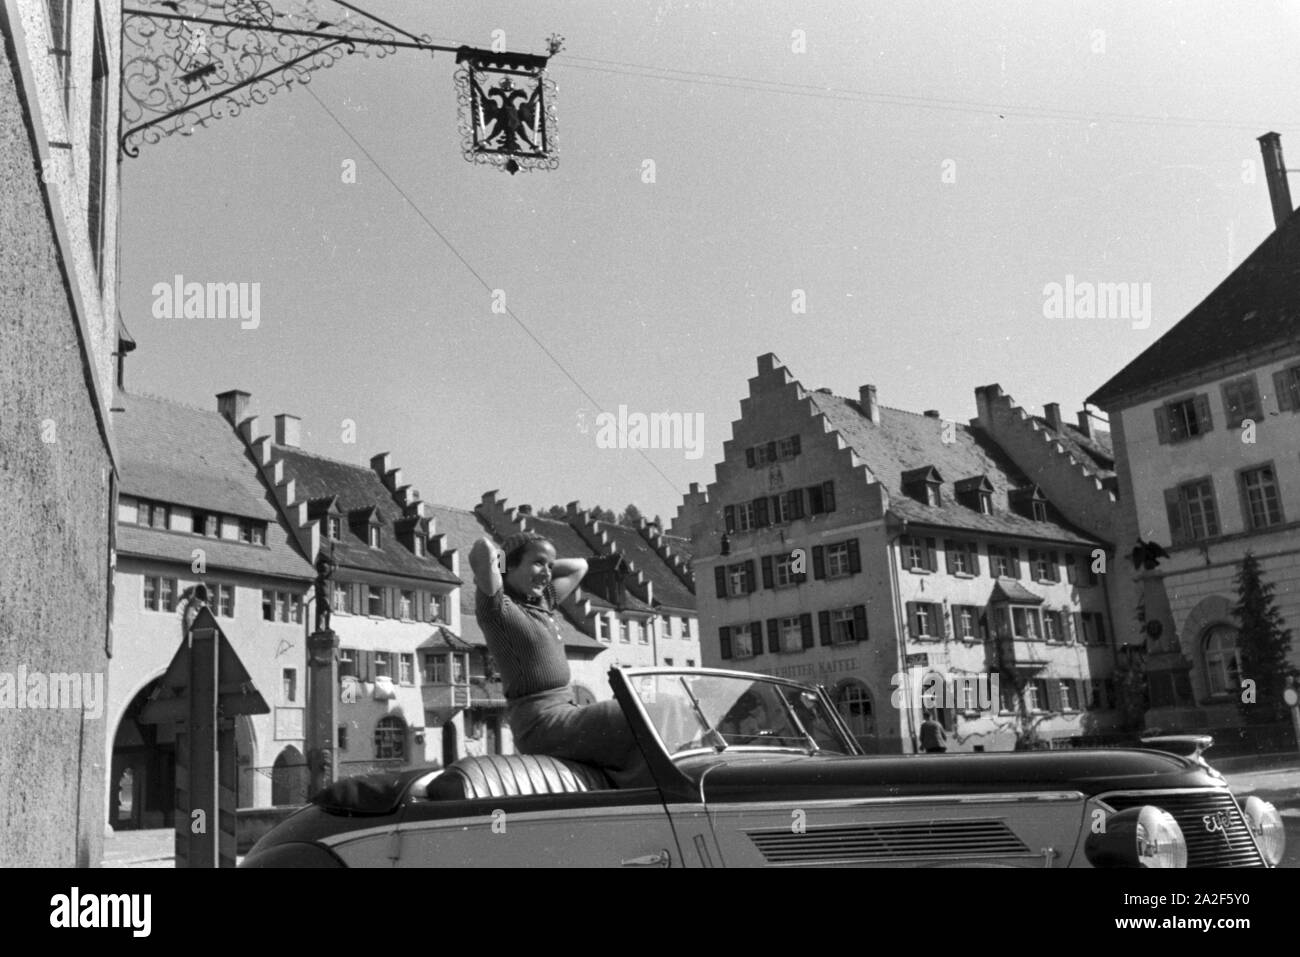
(551, 723)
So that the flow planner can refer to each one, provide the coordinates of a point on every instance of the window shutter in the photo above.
(819, 561)
(931, 555)
(1282, 390)
(828, 496)
(795, 442)
(724, 642)
(773, 635)
(771, 451)
(367, 664)
(720, 580)
(750, 582)
(756, 636)
(973, 558)
(1071, 570)
(1162, 425)
(360, 599)
(1099, 620)
(860, 622)
(855, 557)
(1053, 694)
(760, 513)
(824, 625)
(767, 571)
(911, 619)
(949, 548)
(389, 594)
(940, 620)
(1174, 511)
(749, 457)
(1015, 561)
(729, 517)
(1076, 621)
(806, 629)
(1203, 421)
(796, 503)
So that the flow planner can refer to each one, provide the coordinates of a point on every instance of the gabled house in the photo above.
(864, 545)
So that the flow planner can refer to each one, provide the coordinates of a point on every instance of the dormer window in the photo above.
(373, 536)
(333, 528)
(417, 546)
(1029, 502)
(924, 485)
(1040, 511)
(976, 493)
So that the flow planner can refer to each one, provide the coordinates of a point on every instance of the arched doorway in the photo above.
(289, 778)
(142, 782)
(1222, 660)
(450, 752)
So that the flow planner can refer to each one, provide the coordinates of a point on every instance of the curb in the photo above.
(1254, 762)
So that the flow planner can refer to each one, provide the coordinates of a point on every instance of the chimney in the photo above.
(867, 399)
(525, 510)
(932, 413)
(287, 430)
(1085, 423)
(380, 465)
(232, 405)
(1052, 412)
(1279, 191)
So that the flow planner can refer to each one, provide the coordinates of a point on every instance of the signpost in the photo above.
(205, 687)
(1292, 698)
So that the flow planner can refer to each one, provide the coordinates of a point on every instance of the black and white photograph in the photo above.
(672, 434)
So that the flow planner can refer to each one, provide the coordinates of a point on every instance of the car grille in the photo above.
(904, 840)
(1231, 847)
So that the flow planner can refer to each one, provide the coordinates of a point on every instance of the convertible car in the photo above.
(749, 770)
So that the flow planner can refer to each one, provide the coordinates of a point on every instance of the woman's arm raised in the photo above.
(486, 561)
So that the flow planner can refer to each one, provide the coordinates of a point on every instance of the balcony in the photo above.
(445, 697)
(1020, 654)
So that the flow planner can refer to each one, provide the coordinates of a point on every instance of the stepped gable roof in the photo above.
(1255, 308)
(680, 546)
(358, 489)
(1095, 454)
(668, 588)
(568, 543)
(907, 440)
(186, 456)
(462, 529)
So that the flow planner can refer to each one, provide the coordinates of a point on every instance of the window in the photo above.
(1222, 660)
(375, 601)
(1025, 622)
(417, 546)
(624, 634)
(435, 669)
(788, 448)
(404, 603)
(151, 593)
(1262, 504)
(1040, 511)
(917, 554)
(962, 557)
(1053, 626)
(226, 601)
(1069, 691)
(100, 133)
(821, 498)
(782, 570)
(167, 594)
(390, 737)
(1183, 419)
(667, 622)
(603, 630)
(406, 669)
(1286, 386)
(280, 610)
(791, 634)
(442, 607)
(837, 560)
(343, 737)
(742, 638)
(853, 701)
(848, 625)
(342, 598)
(333, 528)
(643, 631)
(289, 684)
(1004, 562)
(926, 619)
(744, 516)
(967, 620)
(382, 668)
(460, 669)
(690, 662)
(295, 608)
(206, 524)
(740, 579)
(1094, 628)
(686, 628)
(668, 662)
(1191, 510)
(1241, 401)
(985, 503)
(1036, 694)
(372, 539)
(347, 662)
(252, 532)
(787, 507)
(153, 515)
(1045, 566)
(268, 605)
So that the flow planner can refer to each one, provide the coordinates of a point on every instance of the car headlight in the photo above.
(1266, 824)
(1138, 837)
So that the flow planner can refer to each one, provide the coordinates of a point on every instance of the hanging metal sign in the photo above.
(507, 109)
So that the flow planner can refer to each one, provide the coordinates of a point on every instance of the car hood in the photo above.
(751, 776)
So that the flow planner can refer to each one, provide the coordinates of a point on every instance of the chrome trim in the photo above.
(1002, 797)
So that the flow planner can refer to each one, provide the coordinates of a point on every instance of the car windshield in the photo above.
(691, 711)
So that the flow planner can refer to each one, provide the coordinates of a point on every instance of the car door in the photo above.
(621, 828)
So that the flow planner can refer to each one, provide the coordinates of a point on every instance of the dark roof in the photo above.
(1094, 454)
(1009, 589)
(668, 588)
(679, 546)
(462, 529)
(568, 543)
(280, 557)
(358, 489)
(174, 453)
(906, 440)
(1257, 306)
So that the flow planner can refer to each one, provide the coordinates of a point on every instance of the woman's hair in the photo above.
(516, 545)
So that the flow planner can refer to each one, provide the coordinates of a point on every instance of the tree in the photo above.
(1263, 645)
(631, 515)
(555, 511)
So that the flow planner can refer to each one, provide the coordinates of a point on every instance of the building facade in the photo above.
(58, 253)
(1206, 425)
(887, 554)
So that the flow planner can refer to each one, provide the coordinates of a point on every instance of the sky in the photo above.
(878, 193)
